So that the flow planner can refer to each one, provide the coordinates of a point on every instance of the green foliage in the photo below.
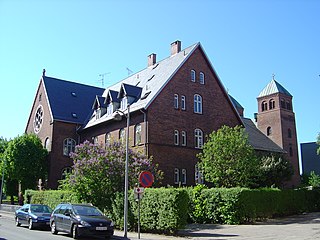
(228, 160)
(50, 197)
(314, 179)
(26, 160)
(275, 169)
(98, 172)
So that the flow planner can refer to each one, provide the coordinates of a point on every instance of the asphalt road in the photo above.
(299, 227)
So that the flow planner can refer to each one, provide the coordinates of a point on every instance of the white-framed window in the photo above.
(68, 146)
(95, 140)
(183, 102)
(193, 75)
(176, 137)
(47, 144)
(137, 134)
(107, 139)
(176, 176)
(109, 109)
(197, 99)
(198, 138)
(184, 176)
(183, 138)
(38, 119)
(176, 101)
(201, 78)
(124, 103)
(98, 113)
(198, 175)
(122, 135)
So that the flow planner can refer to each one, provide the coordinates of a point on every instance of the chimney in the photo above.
(152, 59)
(44, 72)
(175, 47)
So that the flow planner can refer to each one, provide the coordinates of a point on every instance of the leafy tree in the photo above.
(228, 160)
(275, 169)
(26, 160)
(314, 179)
(3, 146)
(98, 172)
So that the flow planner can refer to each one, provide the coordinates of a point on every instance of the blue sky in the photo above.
(77, 40)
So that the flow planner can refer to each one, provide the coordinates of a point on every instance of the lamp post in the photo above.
(2, 182)
(118, 117)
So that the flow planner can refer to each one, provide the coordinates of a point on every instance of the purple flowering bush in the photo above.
(98, 172)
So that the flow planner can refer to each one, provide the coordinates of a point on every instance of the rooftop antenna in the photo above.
(102, 77)
(273, 75)
(129, 71)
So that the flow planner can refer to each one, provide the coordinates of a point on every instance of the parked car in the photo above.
(34, 215)
(80, 220)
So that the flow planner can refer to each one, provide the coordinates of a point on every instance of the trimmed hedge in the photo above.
(165, 210)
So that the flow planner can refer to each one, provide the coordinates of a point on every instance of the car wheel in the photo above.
(31, 225)
(53, 228)
(75, 233)
(17, 222)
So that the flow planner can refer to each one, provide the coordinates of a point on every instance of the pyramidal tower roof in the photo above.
(272, 88)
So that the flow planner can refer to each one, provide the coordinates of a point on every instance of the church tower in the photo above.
(276, 120)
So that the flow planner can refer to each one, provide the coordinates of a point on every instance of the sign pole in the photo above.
(138, 216)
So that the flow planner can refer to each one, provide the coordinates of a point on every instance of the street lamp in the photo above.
(118, 116)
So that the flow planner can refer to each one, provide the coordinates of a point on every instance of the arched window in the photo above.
(183, 138)
(107, 139)
(197, 99)
(122, 135)
(184, 176)
(183, 102)
(176, 101)
(269, 131)
(68, 146)
(289, 133)
(137, 134)
(271, 104)
(198, 138)
(264, 106)
(176, 176)
(65, 172)
(47, 144)
(193, 75)
(201, 78)
(290, 150)
(176, 137)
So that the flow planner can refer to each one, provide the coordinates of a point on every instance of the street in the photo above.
(299, 227)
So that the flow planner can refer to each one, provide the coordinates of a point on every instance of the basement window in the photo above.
(74, 115)
(73, 94)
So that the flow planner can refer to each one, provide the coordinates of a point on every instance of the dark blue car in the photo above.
(33, 215)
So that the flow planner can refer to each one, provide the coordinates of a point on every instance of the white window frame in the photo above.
(176, 137)
(95, 140)
(124, 103)
(176, 176)
(184, 176)
(107, 138)
(122, 135)
(197, 102)
(69, 145)
(137, 134)
(183, 138)
(198, 175)
(109, 109)
(183, 102)
(98, 113)
(198, 138)
(176, 101)
(193, 75)
(201, 78)
(65, 171)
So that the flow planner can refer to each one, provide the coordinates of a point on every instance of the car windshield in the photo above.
(86, 211)
(40, 209)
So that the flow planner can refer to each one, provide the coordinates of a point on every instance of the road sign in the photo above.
(146, 179)
(138, 192)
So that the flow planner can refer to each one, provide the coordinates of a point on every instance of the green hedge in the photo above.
(165, 210)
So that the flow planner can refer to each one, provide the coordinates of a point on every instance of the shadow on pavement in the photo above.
(305, 218)
(202, 230)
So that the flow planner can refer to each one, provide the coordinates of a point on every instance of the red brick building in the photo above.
(174, 103)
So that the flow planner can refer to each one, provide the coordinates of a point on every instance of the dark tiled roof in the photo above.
(130, 90)
(113, 96)
(235, 102)
(70, 101)
(258, 140)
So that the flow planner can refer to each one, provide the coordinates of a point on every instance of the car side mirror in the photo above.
(67, 214)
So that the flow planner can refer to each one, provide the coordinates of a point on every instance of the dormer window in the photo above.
(109, 109)
(98, 113)
(124, 103)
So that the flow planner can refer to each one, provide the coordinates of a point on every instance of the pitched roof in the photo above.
(273, 87)
(258, 140)
(70, 101)
(235, 102)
